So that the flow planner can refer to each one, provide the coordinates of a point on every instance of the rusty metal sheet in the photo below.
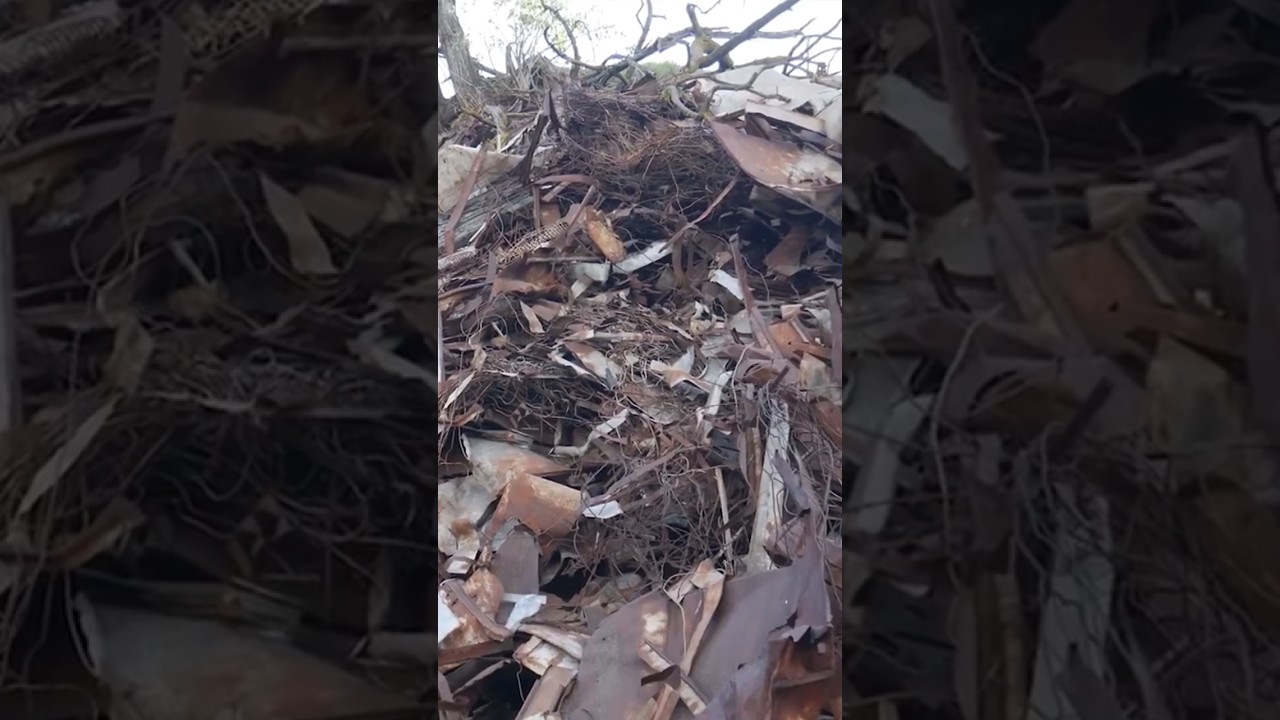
(171, 668)
(783, 685)
(804, 175)
(793, 599)
(776, 165)
(547, 508)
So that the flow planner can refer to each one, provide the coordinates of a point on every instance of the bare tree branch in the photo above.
(807, 42)
(714, 5)
(647, 7)
(772, 35)
(568, 32)
(748, 33)
(575, 64)
(663, 43)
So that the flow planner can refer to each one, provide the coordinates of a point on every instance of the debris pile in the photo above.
(1061, 348)
(639, 505)
(215, 456)
(219, 310)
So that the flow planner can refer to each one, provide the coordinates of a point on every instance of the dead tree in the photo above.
(463, 71)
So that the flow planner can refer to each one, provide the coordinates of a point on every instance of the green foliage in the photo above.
(518, 30)
(661, 68)
(532, 20)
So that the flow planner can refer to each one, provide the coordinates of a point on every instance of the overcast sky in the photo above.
(616, 18)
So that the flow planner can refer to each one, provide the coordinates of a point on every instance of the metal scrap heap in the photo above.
(639, 506)
(218, 307)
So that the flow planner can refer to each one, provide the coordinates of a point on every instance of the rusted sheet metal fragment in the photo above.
(1097, 44)
(794, 681)
(515, 561)
(711, 582)
(806, 176)
(1197, 413)
(546, 694)
(547, 508)
(461, 503)
(1119, 299)
(449, 709)
(787, 117)
(474, 603)
(769, 616)
(541, 654)
(292, 100)
(1233, 528)
(1024, 396)
(168, 668)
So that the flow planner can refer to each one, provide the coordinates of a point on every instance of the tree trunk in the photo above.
(457, 55)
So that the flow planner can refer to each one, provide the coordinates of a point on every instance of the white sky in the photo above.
(620, 29)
